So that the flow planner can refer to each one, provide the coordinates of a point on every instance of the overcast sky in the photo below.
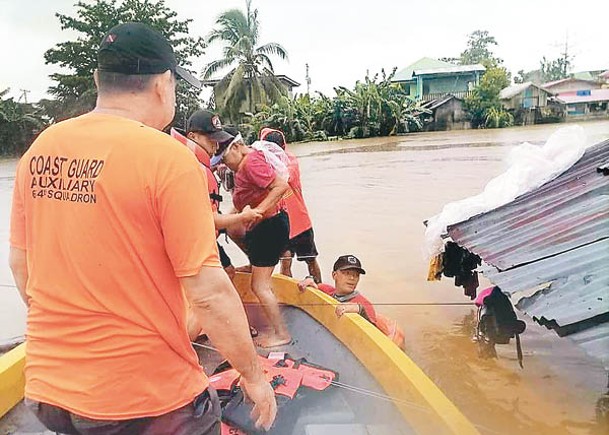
(341, 39)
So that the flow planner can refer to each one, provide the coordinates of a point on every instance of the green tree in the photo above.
(554, 69)
(484, 100)
(479, 50)
(19, 123)
(74, 90)
(251, 80)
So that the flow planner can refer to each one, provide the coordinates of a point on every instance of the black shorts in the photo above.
(268, 240)
(303, 246)
(224, 258)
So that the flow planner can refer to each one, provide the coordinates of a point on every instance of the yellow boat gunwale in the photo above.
(395, 372)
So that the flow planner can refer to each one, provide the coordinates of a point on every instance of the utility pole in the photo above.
(565, 55)
(308, 78)
(23, 95)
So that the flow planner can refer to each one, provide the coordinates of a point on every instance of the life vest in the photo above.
(288, 377)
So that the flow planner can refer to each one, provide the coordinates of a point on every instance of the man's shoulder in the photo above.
(326, 288)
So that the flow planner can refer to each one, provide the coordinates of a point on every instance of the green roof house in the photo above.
(428, 78)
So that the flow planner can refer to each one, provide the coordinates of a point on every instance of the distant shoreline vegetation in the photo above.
(249, 94)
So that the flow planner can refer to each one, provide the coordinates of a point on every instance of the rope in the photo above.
(378, 304)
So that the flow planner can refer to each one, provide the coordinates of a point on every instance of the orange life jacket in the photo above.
(286, 375)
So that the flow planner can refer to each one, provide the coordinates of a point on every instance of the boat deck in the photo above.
(335, 411)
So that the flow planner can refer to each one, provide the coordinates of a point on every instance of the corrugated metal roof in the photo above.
(423, 63)
(549, 249)
(449, 70)
(512, 91)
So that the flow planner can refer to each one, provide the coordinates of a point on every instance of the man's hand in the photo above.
(249, 216)
(307, 282)
(265, 406)
(347, 308)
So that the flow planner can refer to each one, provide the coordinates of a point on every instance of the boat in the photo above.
(379, 389)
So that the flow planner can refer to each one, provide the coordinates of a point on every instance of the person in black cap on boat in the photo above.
(106, 259)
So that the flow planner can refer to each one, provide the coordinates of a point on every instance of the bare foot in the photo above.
(272, 341)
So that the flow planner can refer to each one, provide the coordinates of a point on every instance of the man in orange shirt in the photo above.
(302, 238)
(108, 236)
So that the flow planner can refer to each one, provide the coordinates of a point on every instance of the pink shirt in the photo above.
(252, 181)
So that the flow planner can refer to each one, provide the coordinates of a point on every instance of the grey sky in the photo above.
(341, 39)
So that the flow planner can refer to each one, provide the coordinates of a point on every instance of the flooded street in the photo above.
(370, 198)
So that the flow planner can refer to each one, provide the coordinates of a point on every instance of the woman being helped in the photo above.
(258, 186)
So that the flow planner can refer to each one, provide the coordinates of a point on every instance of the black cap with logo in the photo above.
(345, 262)
(209, 124)
(135, 48)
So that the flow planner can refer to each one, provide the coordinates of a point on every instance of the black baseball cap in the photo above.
(209, 124)
(135, 48)
(348, 262)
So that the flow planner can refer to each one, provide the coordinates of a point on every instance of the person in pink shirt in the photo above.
(302, 238)
(258, 186)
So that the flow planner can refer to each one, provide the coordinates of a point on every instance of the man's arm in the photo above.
(277, 189)
(218, 309)
(17, 260)
(245, 217)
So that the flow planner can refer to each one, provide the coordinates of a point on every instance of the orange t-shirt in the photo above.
(294, 201)
(111, 213)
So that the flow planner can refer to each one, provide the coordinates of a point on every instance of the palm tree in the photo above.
(251, 78)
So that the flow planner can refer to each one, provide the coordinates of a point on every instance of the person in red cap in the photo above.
(109, 243)
(302, 238)
(259, 186)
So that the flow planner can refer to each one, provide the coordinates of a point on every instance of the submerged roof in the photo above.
(512, 91)
(549, 249)
(427, 65)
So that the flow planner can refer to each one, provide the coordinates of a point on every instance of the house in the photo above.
(524, 96)
(428, 79)
(447, 113)
(571, 84)
(586, 104)
(526, 101)
(604, 79)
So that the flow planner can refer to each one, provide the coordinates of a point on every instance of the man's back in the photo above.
(297, 209)
(107, 237)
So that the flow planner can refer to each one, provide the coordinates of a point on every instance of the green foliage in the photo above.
(498, 118)
(484, 100)
(19, 123)
(374, 107)
(251, 80)
(74, 90)
(479, 50)
(554, 69)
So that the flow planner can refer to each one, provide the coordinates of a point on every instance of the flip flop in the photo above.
(275, 346)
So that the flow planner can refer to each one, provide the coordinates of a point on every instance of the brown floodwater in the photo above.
(370, 198)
